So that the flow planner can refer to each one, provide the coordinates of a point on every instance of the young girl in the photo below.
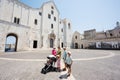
(59, 51)
(58, 63)
(54, 52)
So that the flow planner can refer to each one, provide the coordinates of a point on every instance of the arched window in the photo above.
(52, 7)
(69, 26)
(35, 21)
(54, 18)
(40, 13)
(51, 26)
(49, 16)
(75, 37)
(52, 12)
(62, 30)
(111, 34)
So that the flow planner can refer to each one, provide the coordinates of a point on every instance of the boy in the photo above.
(69, 62)
(64, 58)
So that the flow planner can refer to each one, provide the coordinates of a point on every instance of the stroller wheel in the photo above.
(43, 71)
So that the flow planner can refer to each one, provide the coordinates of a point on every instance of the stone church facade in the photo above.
(33, 28)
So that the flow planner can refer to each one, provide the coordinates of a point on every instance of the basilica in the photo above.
(33, 28)
(42, 28)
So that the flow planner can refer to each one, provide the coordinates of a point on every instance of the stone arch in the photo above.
(76, 45)
(52, 38)
(81, 46)
(11, 44)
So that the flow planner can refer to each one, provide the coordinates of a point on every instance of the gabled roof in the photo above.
(53, 4)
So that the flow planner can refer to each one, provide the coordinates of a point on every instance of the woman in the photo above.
(59, 51)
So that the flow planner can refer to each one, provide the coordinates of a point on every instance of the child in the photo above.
(69, 62)
(58, 63)
(64, 58)
(54, 51)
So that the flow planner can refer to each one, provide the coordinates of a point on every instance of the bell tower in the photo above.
(117, 24)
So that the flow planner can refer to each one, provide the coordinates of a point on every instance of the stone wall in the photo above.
(31, 26)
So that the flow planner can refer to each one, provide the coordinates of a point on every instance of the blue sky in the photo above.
(10, 40)
(86, 14)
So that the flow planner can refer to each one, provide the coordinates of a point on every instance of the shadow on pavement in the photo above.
(64, 76)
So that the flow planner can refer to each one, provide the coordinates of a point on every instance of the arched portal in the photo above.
(81, 46)
(52, 39)
(51, 43)
(76, 45)
(11, 42)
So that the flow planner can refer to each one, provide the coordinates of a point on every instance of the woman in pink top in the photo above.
(54, 52)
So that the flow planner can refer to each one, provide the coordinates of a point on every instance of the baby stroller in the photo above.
(49, 65)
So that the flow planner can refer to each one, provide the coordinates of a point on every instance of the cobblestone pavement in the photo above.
(87, 65)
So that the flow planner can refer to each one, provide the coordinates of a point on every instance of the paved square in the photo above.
(87, 65)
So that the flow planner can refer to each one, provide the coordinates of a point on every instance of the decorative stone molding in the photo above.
(16, 25)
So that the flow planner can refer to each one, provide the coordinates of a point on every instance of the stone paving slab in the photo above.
(96, 69)
(14, 70)
(99, 69)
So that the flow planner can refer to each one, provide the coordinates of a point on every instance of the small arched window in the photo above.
(62, 30)
(52, 12)
(52, 7)
(75, 37)
(51, 26)
(49, 16)
(111, 34)
(54, 18)
(35, 21)
(40, 13)
(69, 25)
